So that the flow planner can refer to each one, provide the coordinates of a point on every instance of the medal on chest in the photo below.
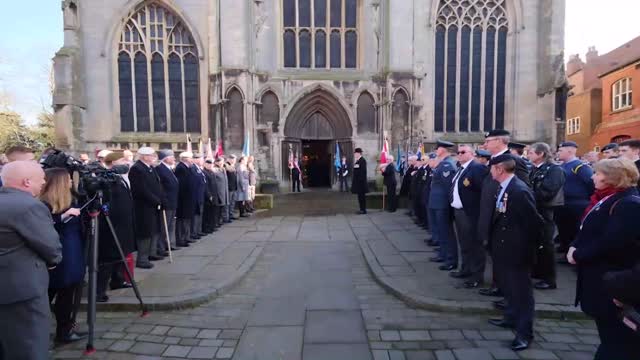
(466, 182)
(503, 204)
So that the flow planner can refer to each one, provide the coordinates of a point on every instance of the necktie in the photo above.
(498, 197)
(457, 176)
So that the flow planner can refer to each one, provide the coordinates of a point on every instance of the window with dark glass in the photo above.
(366, 114)
(270, 110)
(234, 129)
(157, 53)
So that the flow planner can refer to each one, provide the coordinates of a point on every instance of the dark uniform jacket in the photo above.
(607, 241)
(417, 182)
(122, 215)
(406, 181)
(441, 184)
(389, 175)
(359, 178)
(547, 182)
(470, 188)
(147, 198)
(186, 200)
(211, 192)
(578, 185)
(516, 231)
(170, 187)
(232, 179)
(198, 187)
(344, 167)
(425, 183)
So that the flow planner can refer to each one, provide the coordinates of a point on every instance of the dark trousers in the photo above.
(171, 226)
(66, 302)
(196, 222)
(616, 341)
(183, 231)
(343, 184)
(295, 183)
(362, 201)
(515, 283)
(471, 250)
(568, 221)
(24, 329)
(392, 199)
(211, 217)
(109, 272)
(545, 266)
(441, 230)
(419, 207)
(425, 210)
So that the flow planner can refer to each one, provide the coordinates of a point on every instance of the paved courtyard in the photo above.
(310, 294)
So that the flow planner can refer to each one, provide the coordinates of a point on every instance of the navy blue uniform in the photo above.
(440, 211)
(578, 188)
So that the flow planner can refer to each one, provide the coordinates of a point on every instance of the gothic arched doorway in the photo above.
(313, 127)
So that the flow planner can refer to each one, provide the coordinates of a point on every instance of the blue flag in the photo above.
(245, 147)
(337, 162)
(398, 161)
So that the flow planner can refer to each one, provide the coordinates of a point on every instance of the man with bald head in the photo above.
(29, 245)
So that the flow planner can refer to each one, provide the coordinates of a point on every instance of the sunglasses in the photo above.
(461, 152)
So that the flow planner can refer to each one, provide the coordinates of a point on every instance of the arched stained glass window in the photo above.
(158, 73)
(320, 34)
(471, 42)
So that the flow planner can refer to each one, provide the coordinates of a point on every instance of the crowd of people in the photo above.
(156, 204)
(522, 205)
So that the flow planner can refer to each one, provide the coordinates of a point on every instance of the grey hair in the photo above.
(504, 138)
(541, 148)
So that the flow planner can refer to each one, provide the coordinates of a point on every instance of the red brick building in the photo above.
(620, 105)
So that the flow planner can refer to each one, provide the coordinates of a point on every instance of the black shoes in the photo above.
(181, 245)
(156, 258)
(123, 285)
(501, 323)
(446, 267)
(459, 274)
(432, 243)
(102, 298)
(70, 337)
(163, 253)
(519, 344)
(471, 284)
(500, 304)
(436, 259)
(362, 212)
(491, 292)
(145, 266)
(543, 285)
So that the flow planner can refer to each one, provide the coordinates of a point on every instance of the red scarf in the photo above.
(599, 195)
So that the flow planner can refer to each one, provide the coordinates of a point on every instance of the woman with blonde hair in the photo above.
(608, 241)
(66, 279)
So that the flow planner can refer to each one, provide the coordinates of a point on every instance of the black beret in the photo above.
(501, 158)
(515, 145)
(358, 150)
(611, 146)
(444, 144)
(497, 132)
(209, 161)
(569, 144)
(483, 153)
(432, 156)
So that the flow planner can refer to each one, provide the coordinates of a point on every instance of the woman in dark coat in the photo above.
(66, 279)
(607, 241)
(110, 263)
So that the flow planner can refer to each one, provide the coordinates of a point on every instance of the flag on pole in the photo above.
(245, 148)
(337, 162)
(399, 162)
(200, 147)
(420, 151)
(219, 150)
(384, 152)
(189, 149)
(210, 155)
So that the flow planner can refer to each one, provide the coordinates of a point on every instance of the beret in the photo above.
(611, 146)
(209, 161)
(483, 153)
(432, 156)
(358, 150)
(165, 153)
(145, 150)
(497, 132)
(515, 145)
(501, 158)
(569, 144)
(197, 155)
(444, 144)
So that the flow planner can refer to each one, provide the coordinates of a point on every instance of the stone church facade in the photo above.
(293, 74)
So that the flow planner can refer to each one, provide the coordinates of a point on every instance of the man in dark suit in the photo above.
(425, 182)
(630, 149)
(222, 200)
(515, 232)
(440, 207)
(147, 193)
(343, 174)
(198, 188)
(210, 218)
(359, 184)
(29, 244)
(232, 182)
(465, 201)
(389, 181)
(495, 142)
(186, 201)
(418, 179)
(170, 187)
(405, 187)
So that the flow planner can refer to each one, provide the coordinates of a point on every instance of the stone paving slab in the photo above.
(198, 273)
(397, 257)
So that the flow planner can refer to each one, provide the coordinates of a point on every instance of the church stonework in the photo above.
(289, 73)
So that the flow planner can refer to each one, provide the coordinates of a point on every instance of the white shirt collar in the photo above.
(506, 182)
(464, 166)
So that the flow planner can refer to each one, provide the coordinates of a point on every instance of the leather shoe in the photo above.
(163, 254)
(501, 323)
(175, 248)
(543, 285)
(72, 336)
(156, 258)
(500, 304)
(123, 285)
(490, 292)
(436, 259)
(446, 267)
(102, 298)
(519, 344)
(181, 245)
(145, 266)
(459, 274)
(432, 243)
(471, 284)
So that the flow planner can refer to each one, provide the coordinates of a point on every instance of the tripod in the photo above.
(97, 207)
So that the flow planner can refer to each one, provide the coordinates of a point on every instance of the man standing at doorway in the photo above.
(294, 168)
(343, 173)
(359, 180)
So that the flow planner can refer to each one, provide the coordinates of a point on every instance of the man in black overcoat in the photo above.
(186, 201)
(147, 199)
(170, 187)
(390, 182)
(198, 188)
(210, 218)
(359, 184)
(515, 232)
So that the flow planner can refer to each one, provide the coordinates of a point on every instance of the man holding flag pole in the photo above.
(294, 171)
(342, 169)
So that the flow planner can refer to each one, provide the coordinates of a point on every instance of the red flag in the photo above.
(383, 153)
(219, 150)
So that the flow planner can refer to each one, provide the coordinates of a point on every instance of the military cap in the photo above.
(501, 158)
(358, 150)
(113, 156)
(209, 161)
(197, 155)
(515, 145)
(432, 155)
(483, 154)
(165, 153)
(186, 154)
(497, 132)
(611, 146)
(145, 150)
(569, 144)
(444, 144)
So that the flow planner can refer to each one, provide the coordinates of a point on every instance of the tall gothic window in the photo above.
(366, 114)
(470, 65)
(269, 111)
(399, 119)
(157, 73)
(320, 34)
(233, 132)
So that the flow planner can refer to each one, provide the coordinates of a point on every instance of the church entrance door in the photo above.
(316, 163)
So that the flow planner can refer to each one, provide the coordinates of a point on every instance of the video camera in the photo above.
(93, 177)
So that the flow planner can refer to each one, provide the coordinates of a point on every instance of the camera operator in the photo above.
(147, 198)
(28, 245)
(66, 280)
(121, 214)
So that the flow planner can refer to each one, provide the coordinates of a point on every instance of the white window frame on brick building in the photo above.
(573, 125)
(621, 94)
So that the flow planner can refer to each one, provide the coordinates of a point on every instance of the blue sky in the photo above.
(32, 33)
